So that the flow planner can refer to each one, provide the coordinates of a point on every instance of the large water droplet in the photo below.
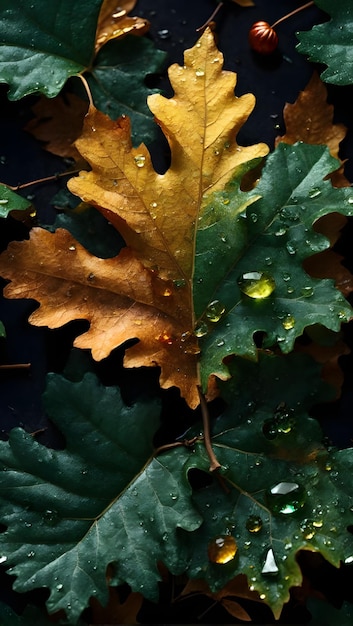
(254, 524)
(215, 311)
(199, 72)
(257, 285)
(307, 292)
(270, 567)
(222, 549)
(285, 498)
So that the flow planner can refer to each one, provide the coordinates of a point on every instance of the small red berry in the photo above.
(263, 38)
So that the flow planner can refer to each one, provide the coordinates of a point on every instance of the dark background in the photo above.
(274, 80)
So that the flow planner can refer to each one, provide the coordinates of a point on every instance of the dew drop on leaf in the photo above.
(199, 72)
(4, 201)
(314, 192)
(59, 587)
(350, 200)
(254, 524)
(215, 311)
(257, 285)
(270, 567)
(307, 292)
(201, 329)
(165, 338)
(222, 549)
(285, 498)
(288, 322)
(167, 292)
(140, 160)
(3, 559)
(308, 529)
(349, 559)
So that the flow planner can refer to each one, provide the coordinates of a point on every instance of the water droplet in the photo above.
(179, 283)
(270, 567)
(3, 559)
(28, 524)
(201, 329)
(342, 315)
(308, 529)
(257, 285)
(4, 201)
(215, 310)
(268, 260)
(90, 277)
(140, 160)
(164, 33)
(59, 587)
(167, 292)
(153, 205)
(254, 524)
(291, 248)
(318, 523)
(31, 554)
(220, 343)
(350, 200)
(51, 517)
(349, 559)
(222, 549)
(174, 496)
(165, 338)
(307, 292)
(285, 498)
(254, 217)
(262, 596)
(280, 232)
(289, 322)
(199, 72)
(314, 192)
(72, 248)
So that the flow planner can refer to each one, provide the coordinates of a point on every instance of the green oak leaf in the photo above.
(270, 240)
(104, 499)
(117, 82)
(11, 201)
(43, 43)
(31, 616)
(331, 43)
(256, 458)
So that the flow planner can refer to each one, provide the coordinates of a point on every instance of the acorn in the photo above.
(263, 38)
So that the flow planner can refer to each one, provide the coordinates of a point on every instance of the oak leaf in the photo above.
(145, 292)
(114, 22)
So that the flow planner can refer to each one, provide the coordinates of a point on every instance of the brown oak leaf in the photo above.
(144, 293)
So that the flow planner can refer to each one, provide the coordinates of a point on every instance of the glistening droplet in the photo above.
(201, 329)
(314, 192)
(140, 160)
(222, 549)
(257, 285)
(215, 311)
(285, 498)
(289, 322)
(254, 524)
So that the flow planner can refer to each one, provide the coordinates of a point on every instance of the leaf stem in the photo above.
(214, 463)
(218, 7)
(297, 10)
(39, 181)
(87, 89)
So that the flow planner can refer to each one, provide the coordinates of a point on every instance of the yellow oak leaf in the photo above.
(114, 22)
(144, 293)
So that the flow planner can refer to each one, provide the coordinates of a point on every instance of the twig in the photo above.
(16, 366)
(87, 89)
(281, 19)
(39, 181)
(214, 463)
(218, 7)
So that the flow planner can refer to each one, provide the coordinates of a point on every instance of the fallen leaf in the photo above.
(114, 22)
(145, 292)
(310, 119)
(58, 123)
(116, 611)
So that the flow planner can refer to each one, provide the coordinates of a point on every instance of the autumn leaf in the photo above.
(58, 122)
(310, 119)
(114, 22)
(145, 292)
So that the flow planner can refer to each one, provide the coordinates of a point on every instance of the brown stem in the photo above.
(214, 463)
(220, 4)
(16, 366)
(176, 444)
(39, 181)
(87, 89)
(281, 19)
